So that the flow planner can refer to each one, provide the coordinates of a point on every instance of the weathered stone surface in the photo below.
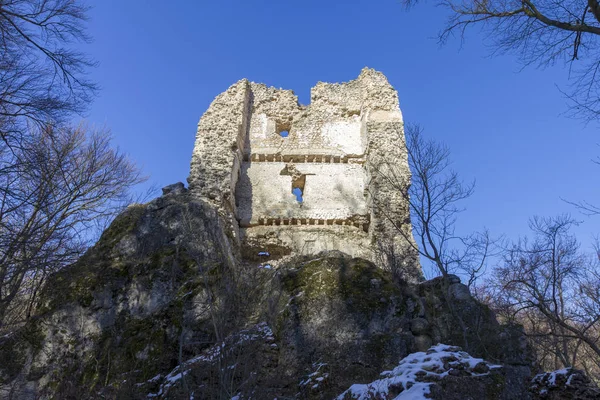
(466, 322)
(132, 320)
(233, 288)
(507, 383)
(419, 326)
(360, 329)
(176, 188)
(444, 372)
(422, 342)
(458, 291)
(118, 313)
(567, 384)
(335, 151)
(331, 192)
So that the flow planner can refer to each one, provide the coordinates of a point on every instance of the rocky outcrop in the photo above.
(443, 373)
(564, 384)
(349, 315)
(161, 307)
(118, 314)
(223, 291)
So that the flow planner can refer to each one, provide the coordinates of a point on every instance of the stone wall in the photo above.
(308, 178)
(329, 192)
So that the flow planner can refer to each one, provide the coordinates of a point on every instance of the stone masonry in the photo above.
(298, 180)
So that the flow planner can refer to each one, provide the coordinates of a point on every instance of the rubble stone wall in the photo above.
(329, 192)
(308, 178)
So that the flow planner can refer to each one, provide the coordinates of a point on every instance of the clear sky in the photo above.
(162, 63)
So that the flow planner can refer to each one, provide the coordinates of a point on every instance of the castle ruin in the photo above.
(294, 179)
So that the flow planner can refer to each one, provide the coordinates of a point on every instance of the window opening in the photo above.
(298, 183)
(298, 180)
(298, 193)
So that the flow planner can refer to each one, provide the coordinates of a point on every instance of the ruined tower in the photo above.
(294, 179)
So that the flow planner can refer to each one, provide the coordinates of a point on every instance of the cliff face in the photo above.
(120, 308)
(161, 308)
(236, 290)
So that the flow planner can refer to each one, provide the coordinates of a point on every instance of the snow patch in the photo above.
(261, 331)
(316, 378)
(416, 373)
(549, 379)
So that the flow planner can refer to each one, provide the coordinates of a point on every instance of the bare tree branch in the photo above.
(434, 198)
(552, 288)
(41, 80)
(57, 188)
(541, 33)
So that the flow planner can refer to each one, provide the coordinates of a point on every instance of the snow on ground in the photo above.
(414, 375)
(558, 380)
(260, 331)
(550, 379)
(316, 378)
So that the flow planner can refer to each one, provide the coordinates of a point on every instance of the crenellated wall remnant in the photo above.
(294, 179)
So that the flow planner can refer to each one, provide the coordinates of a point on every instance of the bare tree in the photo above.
(552, 288)
(56, 181)
(585, 207)
(52, 194)
(434, 198)
(41, 79)
(541, 33)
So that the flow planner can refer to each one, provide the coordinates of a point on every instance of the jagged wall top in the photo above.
(245, 166)
(335, 110)
(248, 116)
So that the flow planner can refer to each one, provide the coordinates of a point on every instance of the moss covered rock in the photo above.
(162, 306)
(118, 314)
(344, 313)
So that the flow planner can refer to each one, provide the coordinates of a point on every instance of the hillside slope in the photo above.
(161, 307)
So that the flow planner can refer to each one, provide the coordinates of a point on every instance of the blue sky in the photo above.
(162, 63)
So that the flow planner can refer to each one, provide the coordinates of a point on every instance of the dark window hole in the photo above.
(298, 187)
